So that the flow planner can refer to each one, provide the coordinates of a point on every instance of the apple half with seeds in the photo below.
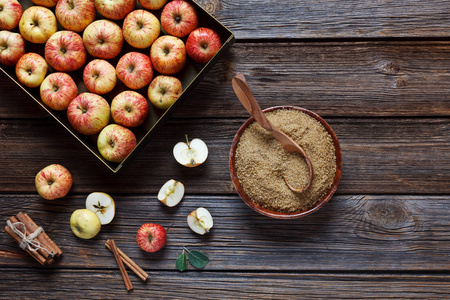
(102, 205)
(190, 154)
(171, 193)
(200, 220)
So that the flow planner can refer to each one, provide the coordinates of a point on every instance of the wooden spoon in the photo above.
(247, 99)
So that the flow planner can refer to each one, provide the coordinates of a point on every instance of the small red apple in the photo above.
(164, 90)
(151, 237)
(53, 182)
(129, 109)
(103, 39)
(135, 70)
(179, 18)
(75, 15)
(202, 44)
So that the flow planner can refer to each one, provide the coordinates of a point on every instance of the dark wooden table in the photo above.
(377, 71)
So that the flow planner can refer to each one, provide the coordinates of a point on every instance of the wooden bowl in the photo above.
(281, 215)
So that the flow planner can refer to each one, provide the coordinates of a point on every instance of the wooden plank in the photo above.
(399, 156)
(332, 79)
(364, 233)
(93, 284)
(292, 19)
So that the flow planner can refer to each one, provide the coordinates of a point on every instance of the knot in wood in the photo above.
(390, 68)
(211, 6)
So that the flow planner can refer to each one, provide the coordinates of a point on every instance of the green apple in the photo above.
(85, 224)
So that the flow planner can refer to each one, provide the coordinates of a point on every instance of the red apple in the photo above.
(37, 24)
(151, 237)
(103, 39)
(141, 28)
(202, 44)
(129, 109)
(46, 3)
(168, 55)
(164, 90)
(12, 47)
(58, 90)
(10, 13)
(75, 15)
(116, 142)
(88, 113)
(53, 182)
(179, 18)
(31, 69)
(152, 4)
(114, 9)
(65, 51)
(99, 76)
(135, 70)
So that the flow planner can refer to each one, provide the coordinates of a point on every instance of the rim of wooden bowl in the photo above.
(281, 215)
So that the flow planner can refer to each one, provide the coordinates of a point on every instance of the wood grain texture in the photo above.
(369, 79)
(350, 233)
(230, 285)
(400, 156)
(293, 19)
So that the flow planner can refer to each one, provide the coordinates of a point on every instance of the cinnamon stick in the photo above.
(32, 227)
(123, 272)
(36, 255)
(129, 262)
(39, 238)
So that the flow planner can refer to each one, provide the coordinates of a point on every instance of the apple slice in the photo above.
(171, 193)
(200, 220)
(190, 154)
(102, 205)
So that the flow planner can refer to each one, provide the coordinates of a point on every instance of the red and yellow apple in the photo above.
(202, 44)
(53, 182)
(164, 90)
(141, 28)
(12, 47)
(99, 76)
(179, 18)
(129, 109)
(31, 69)
(46, 3)
(168, 55)
(114, 9)
(88, 113)
(37, 24)
(116, 142)
(10, 14)
(103, 39)
(135, 70)
(65, 51)
(58, 90)
(75, 15)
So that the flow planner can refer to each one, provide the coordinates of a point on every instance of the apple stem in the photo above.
(187, 141)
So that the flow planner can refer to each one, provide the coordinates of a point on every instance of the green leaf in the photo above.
(197, 259)
(181, 262)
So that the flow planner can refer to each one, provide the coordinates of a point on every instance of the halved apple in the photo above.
(190, 154)
(200, 220)
(102, 205)
(171, 193)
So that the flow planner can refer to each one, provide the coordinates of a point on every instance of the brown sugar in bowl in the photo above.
(279, 213)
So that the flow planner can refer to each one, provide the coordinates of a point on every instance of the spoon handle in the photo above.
(245, 96)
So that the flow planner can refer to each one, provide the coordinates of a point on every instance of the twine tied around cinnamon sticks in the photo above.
(27, 240)
(32, 238)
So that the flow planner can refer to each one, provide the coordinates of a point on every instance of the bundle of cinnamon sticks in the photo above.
(20, 227)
